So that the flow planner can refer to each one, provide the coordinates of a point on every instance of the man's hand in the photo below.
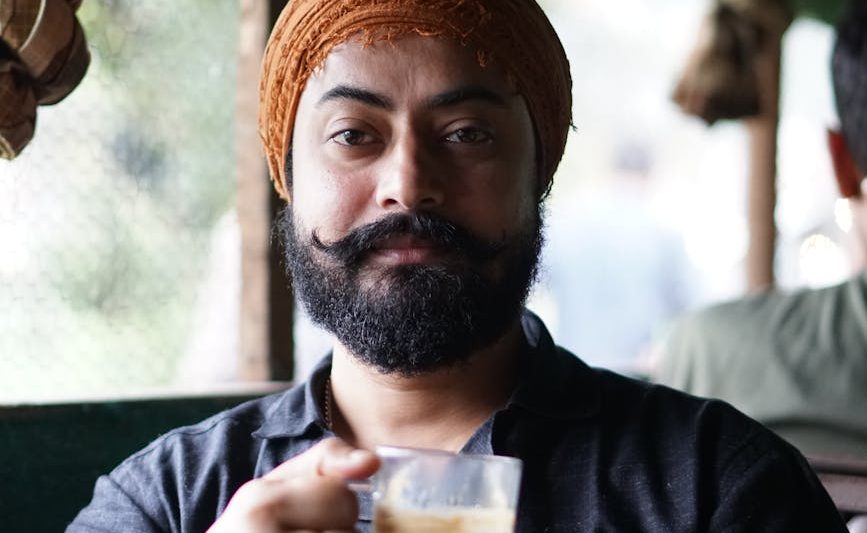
(307, 492)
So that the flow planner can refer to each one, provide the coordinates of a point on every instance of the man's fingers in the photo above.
(298, 504)
(330, 457)
(308, 463)
(357, 464)
(307, 492)
(326, 531)
(324, 504)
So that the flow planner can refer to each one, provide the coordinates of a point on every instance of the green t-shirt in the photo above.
(795, 361)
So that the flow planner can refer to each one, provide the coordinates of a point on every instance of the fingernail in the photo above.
(358, 457)
(352, 460)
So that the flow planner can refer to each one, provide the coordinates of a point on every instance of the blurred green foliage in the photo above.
(824, 10)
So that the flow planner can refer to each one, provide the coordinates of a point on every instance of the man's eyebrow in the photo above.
(467, 93)
(348, 92)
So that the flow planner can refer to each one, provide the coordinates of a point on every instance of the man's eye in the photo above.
(352, 138)
(468, 136)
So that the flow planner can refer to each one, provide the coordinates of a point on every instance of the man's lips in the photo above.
(407, 249)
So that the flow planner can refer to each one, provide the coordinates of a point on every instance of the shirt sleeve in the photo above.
(111, 510)
(180, 483)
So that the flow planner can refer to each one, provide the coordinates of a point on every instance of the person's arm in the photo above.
(768, 486)
(307, 492)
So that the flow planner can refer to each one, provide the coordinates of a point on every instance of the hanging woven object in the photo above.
(43, 57)
(720, 80)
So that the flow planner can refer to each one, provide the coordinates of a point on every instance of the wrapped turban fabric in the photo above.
(513, 33)
(43, 57)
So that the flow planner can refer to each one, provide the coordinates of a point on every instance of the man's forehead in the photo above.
(445, 70)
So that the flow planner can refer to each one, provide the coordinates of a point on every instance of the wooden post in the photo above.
(266, 304)
(281, 300)
(762, 179)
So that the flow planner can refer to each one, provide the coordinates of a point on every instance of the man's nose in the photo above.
(408, 178)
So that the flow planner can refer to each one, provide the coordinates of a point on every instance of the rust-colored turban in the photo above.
(514, 33)
(43, 57)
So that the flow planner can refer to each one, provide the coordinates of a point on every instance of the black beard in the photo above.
(412, 319)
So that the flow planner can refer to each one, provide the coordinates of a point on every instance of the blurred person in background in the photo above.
(797, 361)
(613, 270)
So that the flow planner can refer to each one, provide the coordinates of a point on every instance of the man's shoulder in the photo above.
(228, 432)
(752, 312)
(713, 338)
(653, 435)
(722, 317)
(661, 406)
(632, 404)
(709, 339)
(184, 478)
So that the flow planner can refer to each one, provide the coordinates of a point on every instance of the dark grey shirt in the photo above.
(601, 452)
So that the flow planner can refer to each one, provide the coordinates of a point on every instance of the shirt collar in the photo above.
(554, 384)
(299, 410)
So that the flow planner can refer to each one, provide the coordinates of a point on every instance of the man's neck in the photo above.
(439, 410)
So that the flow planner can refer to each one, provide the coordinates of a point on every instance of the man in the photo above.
(414, 141)
(797, 361)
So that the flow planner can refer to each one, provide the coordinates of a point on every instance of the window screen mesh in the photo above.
(107, 219)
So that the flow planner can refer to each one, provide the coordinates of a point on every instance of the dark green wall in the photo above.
(50, 456)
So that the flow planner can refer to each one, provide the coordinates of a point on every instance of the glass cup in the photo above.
(429, 491)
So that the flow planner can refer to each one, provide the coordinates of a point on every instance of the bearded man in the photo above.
(414, 142)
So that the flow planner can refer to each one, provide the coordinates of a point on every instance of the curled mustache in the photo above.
(352, 248)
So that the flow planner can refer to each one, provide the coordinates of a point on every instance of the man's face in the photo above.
(414, 229)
